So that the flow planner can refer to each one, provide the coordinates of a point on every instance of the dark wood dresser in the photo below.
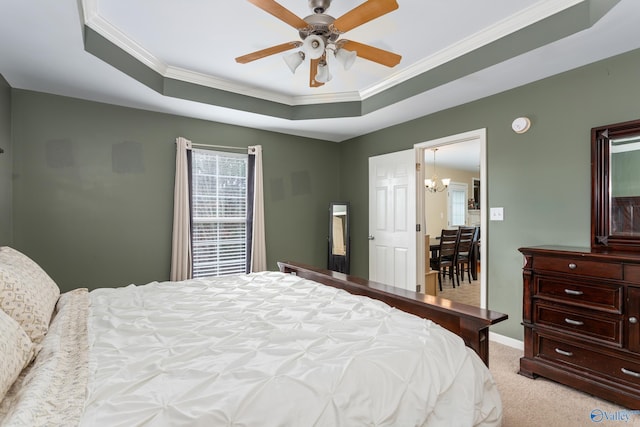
(581, 318)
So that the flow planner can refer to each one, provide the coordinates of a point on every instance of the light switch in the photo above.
(496, 214)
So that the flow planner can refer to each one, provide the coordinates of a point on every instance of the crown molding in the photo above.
(208, 80)
(222, 84)
(93, 19)
(327, 98)
(537, 12)
(114, 35)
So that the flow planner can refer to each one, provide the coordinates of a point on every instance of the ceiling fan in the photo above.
(320, 32)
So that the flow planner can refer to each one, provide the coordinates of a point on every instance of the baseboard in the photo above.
(504, 340)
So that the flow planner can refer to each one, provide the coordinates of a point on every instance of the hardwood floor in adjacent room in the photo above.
(467, 293)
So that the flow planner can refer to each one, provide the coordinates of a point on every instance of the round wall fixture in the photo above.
(521, 125)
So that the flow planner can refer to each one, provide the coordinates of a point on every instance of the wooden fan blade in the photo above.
(371, 53)
(313, 70)
(280, 12)
(367, 11)
(266, 52)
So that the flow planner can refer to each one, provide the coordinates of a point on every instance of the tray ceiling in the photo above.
(178, 57)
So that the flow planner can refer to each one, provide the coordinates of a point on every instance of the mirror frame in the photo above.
(601, 236)
(346, 266)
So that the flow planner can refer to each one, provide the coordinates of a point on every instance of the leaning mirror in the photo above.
(615, 182)
(339, 237)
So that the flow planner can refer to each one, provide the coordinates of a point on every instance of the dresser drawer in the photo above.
(600, 296)
(605, 328)
(632, 273)
(581, 318)
(582, 358)
(579, 266)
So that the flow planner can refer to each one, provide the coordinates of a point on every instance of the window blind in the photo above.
(219, 211)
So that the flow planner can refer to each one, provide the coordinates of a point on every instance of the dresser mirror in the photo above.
(615, 199)
(339, 237)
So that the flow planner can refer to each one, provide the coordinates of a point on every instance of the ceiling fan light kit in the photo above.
(294, 60)
(320, 32)
(313, 46)
(323, 75)
(345, 58)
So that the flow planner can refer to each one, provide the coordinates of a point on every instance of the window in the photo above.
(457, 204)
(219, 213)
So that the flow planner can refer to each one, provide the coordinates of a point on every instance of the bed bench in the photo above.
(469, 322)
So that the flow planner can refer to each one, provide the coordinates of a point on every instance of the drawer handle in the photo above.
(632, 373)
(572, 292)
(574, 322)
(565, 353)
(572, 266)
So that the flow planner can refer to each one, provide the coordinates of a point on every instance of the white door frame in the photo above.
(481, 136)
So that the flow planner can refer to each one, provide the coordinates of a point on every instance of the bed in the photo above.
(263, 349)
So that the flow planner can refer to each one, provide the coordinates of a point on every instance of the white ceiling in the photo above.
(206, 36)
(42, 49)
(464, 155)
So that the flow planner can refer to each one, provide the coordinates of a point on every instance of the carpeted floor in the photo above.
(539, 402)
(542, 402)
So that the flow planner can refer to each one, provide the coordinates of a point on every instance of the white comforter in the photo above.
(272, 349)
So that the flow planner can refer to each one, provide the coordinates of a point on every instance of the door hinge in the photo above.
(417, 227)
(417, 167)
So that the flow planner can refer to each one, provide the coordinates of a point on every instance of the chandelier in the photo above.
(433, 185)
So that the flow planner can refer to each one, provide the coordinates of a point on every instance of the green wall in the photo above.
(6, 165)
(93, 188)
(541, 178)
(90, 222)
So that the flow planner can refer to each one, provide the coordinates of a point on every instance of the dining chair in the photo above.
(463, 257)
(446, 255)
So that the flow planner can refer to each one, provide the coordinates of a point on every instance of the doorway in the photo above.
(476, 138)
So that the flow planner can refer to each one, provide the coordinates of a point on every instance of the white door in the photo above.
(392, 219)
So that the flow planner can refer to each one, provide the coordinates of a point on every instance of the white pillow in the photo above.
(27, 293)
(16, 351)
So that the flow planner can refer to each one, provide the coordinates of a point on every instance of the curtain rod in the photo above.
(218, 146)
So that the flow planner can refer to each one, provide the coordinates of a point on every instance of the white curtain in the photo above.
(258, 246)
(181, 268)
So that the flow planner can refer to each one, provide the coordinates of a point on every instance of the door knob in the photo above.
(370, 237)
(633, 320)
